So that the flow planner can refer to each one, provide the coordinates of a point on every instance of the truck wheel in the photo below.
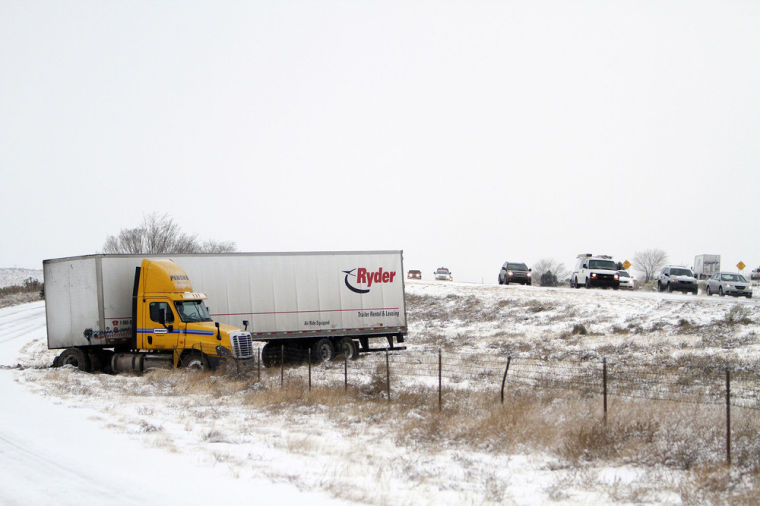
(348, 348)
(195, 361)
(708, 291)
(322, 350)
(587, 284)
(74, 356)
(720, 291)
(670, 288)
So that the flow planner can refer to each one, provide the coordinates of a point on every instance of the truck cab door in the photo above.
(160, 332)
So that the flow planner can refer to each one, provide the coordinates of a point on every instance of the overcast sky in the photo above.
(465, 133)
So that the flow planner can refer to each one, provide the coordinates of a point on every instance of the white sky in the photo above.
(465, 133)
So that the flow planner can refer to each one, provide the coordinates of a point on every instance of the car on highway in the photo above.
(729, 283)
(515, 272)
(627, 280)
(755, 275)
(443, 274)
(414, 274)
(676, 278)
(595, 270)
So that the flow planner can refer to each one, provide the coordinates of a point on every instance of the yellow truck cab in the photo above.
(172, 317)
(126, 314)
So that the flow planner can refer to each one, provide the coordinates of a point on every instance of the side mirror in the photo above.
(530, 270)
(245, 324)
(218, 332)
(162, 316)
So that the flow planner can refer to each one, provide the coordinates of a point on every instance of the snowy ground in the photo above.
(10, 276)
(94, 436)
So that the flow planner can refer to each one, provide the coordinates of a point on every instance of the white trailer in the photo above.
(282, 298)
(706, 265)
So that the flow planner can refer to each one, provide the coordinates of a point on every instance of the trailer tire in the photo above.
(74, 356)
(322, 350)
(348, 348)
(270, 355)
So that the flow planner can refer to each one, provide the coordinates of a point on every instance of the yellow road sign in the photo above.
(626, 264)
(740, 265)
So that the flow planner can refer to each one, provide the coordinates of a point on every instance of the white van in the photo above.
(595, 270)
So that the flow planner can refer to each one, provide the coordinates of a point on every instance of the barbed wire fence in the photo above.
(459, 372)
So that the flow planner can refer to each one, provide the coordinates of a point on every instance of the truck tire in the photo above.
(669, 288)
(348, 348)
(322, 351)
(195, 361)
(720, 291)
(587, 283)
(74, 356)
(708, 291)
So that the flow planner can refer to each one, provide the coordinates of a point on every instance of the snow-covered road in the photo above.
(51, 453)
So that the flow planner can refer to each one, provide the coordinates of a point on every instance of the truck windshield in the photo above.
(602, 264)
(192, 311)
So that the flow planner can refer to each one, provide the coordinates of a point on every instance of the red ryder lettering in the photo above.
(363, 276)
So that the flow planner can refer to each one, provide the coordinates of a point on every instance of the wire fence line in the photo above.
(463, 370)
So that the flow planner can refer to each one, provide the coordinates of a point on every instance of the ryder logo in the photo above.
(368, 278)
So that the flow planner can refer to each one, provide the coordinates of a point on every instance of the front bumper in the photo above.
(603, 280)
(738, 292)
(683, 287)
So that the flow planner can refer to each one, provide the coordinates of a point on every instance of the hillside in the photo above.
(10, 276)
(662, 440)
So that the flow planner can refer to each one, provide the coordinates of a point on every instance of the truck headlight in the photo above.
(617, 277)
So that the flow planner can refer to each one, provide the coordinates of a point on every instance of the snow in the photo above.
(10, 276)
(53, 451)
(71, 437)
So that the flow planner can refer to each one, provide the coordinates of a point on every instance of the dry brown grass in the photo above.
(682, 437)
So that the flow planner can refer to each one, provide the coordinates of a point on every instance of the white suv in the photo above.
(595, 270)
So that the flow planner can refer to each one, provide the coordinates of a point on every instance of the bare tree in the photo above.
(160, 234)
(649, 262)
(549, 265)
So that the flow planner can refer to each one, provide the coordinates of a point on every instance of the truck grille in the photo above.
(242, 345)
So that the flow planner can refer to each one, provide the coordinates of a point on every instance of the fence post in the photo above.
(345, 372)
(258, 364)
(728, 417)
(440, 367)
(387, 376)
(504, 379)
(310, 369)
(604, 381)
(282, 365)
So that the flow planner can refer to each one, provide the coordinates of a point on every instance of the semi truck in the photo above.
(706, 265)
(133, 312)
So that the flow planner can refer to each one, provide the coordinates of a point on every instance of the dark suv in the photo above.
(674, 278)
(514, 272)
